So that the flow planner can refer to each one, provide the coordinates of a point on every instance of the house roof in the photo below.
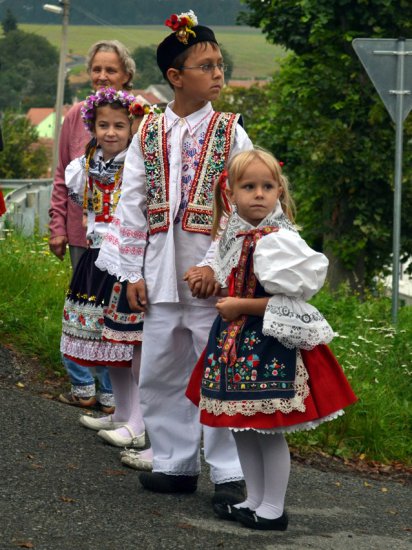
(147, 97)
(246, 83)
(36, 115)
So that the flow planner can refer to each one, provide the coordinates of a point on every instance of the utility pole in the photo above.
(62, 9)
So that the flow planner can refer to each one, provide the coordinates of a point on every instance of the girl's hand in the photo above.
(229, 308)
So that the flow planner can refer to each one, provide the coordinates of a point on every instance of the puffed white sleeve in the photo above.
(75, 179)
(123, 247)
(292, 273)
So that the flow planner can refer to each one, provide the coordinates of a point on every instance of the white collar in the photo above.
(192, 121)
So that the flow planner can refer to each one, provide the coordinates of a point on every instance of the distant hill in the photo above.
(126, 12)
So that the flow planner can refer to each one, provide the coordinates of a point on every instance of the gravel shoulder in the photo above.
(62, 488)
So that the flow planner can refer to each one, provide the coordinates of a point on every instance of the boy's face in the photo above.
(195, 83)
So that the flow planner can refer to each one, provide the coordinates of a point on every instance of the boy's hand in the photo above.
(136, 296)
(229, 308)
(201, 281)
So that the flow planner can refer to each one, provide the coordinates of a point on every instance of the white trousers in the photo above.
(174, 337)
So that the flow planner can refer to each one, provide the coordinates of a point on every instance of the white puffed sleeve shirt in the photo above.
(128, 251)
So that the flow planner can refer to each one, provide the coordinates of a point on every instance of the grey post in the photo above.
(384, 61)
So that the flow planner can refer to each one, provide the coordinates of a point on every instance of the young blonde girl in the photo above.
(266, 369)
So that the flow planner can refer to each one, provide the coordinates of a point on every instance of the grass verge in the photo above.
(376, 356)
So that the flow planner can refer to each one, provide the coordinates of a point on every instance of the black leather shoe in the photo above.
(231, 492)
(163, 483)
(229, 512)
(255, 522)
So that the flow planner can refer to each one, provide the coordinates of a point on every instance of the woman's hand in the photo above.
(58, 245)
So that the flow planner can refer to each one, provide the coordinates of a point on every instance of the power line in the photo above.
(101, 21)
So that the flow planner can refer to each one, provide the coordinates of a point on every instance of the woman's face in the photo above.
(106, 69)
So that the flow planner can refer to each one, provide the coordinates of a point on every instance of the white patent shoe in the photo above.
(118, 440)
(103, 423)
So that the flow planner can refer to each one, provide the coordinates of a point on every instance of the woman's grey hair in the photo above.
(124, 55)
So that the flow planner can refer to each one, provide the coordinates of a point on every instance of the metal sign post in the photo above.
(388, 63)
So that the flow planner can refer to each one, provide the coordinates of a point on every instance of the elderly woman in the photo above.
(108, 64)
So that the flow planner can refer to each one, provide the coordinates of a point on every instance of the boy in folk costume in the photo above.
(162, 231)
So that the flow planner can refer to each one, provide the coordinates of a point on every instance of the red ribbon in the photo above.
(223, 186)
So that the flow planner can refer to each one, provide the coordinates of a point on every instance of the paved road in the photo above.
(63, 489)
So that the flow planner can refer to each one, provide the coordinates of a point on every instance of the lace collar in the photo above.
(230, 246)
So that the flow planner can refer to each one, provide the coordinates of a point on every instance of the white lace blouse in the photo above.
(289, 270)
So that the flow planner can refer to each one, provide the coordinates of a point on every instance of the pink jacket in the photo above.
(65, 215)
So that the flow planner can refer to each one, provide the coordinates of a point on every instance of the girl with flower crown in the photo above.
(266, 369)
(99, 330)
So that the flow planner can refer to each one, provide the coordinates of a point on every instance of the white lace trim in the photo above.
(114, 269)
(230, 246)
(84, 391)
(265, 406)
(122, 336)
(311, 425)
(93, 350)
(295, 323)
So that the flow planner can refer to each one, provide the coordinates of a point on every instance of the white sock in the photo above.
(276, 467)
(252, 466)
(131, 404)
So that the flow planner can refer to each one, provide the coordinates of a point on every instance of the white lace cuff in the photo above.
(295, 323)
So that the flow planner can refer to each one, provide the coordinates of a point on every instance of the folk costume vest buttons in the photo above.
(214, 155)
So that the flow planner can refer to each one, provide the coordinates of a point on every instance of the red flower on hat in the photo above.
(173, 22)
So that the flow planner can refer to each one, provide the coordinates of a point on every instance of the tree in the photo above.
(22, 156)
(147, 72)
(9, 23)
(28, 71)
(325, 120)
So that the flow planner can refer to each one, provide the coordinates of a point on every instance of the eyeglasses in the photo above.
(208, 67)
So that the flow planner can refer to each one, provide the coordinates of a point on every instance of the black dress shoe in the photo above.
(256, 522)
(163, 483)
(229, 512)
(231, 492)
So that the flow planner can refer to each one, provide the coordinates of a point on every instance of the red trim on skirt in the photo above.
(329, 392)
(91, 363)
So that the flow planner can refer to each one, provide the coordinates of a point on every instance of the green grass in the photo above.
(376, 356)
(253, 56)
(32, 290)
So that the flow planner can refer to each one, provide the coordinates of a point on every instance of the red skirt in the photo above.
(329, 393)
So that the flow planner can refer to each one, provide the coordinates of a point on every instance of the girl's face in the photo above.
(106, 69)
(112, 130)
(255, 194)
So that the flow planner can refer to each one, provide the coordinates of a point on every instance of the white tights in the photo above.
(127, 396)
(265, 461)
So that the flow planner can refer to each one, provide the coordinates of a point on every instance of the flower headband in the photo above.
(182, 25)
(106, 96)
